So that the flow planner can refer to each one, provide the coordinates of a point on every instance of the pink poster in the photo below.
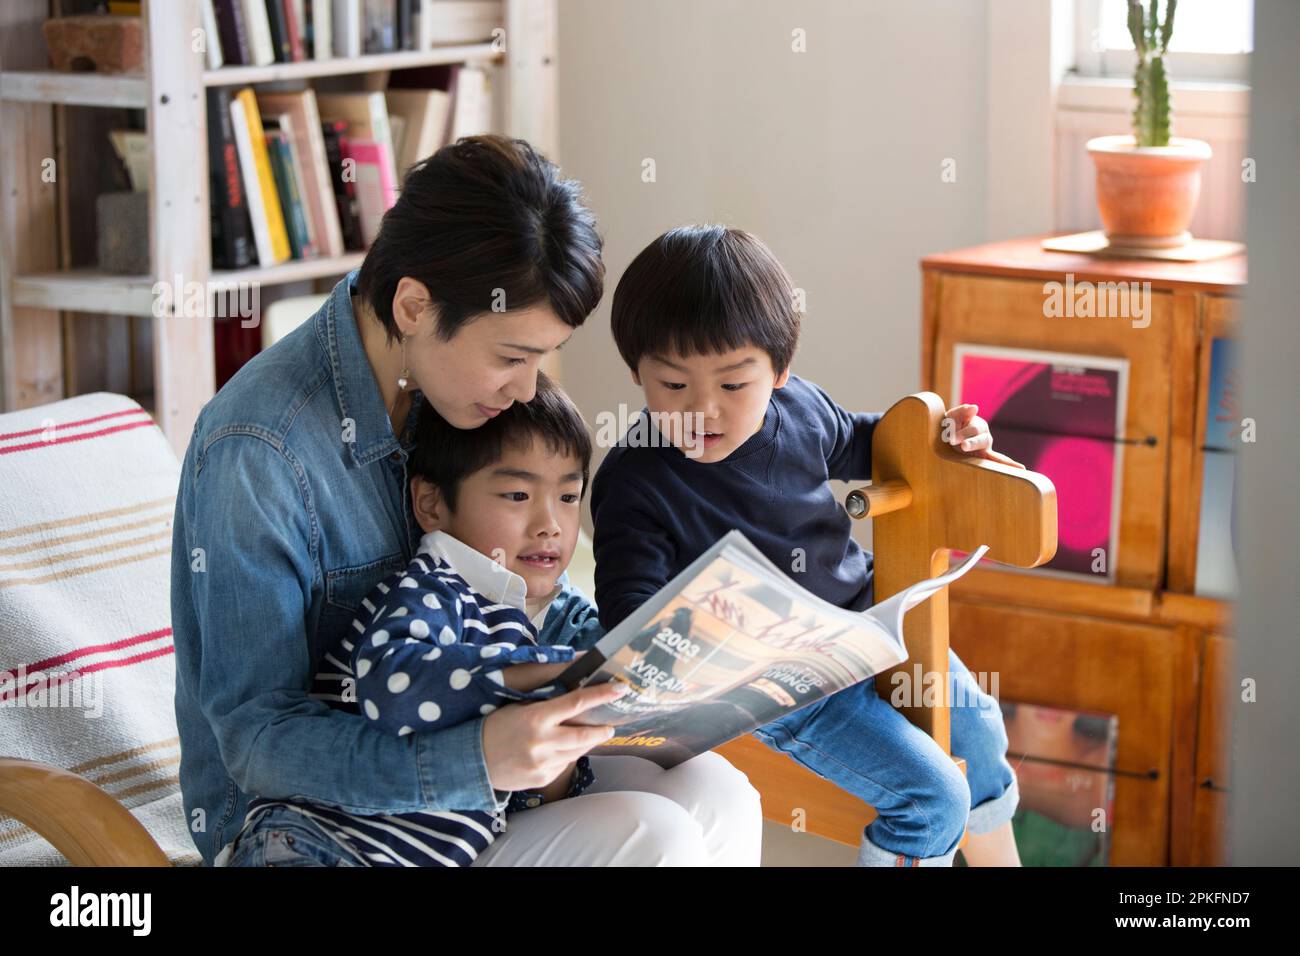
(1061, 415)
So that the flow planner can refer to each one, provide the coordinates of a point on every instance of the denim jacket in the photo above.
(293, 504)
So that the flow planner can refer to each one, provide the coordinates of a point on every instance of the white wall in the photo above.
(1266, 763)
(833, 157)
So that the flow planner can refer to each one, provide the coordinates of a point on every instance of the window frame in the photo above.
(1092, 63)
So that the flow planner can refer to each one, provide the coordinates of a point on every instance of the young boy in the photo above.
(482, 616)
(704, 317)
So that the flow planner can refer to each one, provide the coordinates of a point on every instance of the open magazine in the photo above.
(730, 644)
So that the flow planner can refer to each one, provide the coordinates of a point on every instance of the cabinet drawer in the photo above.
(1087, 663)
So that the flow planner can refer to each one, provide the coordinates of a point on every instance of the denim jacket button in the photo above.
(533, 801)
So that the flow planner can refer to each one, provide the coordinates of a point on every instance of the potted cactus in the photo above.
(1148, 183)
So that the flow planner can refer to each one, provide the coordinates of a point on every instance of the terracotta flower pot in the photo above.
(1146, 195)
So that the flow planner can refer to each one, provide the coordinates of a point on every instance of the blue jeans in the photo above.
(284, 837)
(860, 742)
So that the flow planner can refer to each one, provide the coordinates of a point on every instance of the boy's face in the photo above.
(730, 390)
(521, 511)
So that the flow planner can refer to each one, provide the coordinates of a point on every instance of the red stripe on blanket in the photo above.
(97, 648)
(64, 677)
(59, 441)
(84, 421)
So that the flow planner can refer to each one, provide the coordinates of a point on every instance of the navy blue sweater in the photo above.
(656, 510)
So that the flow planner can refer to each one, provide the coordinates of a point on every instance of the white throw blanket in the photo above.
(87, 669)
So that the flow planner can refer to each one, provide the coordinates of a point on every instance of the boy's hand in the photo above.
(533, 676)
(527, 746)
(971, 435)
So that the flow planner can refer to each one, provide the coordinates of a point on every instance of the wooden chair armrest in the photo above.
(79, 819)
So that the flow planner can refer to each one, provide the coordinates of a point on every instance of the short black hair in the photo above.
(486, 213)
(446, 455)
(705, 289)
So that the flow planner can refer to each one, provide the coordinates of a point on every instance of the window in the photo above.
(1212, 39)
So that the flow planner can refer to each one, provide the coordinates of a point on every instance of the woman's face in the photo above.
(490, 363)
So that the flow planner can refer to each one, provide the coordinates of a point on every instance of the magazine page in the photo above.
(889, 612)
(727, 646)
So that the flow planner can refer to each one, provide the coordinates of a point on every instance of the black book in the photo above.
(232, 231)
(233, 32)
(405, 25)
(344, 192)
(279, 31)
(308, 30)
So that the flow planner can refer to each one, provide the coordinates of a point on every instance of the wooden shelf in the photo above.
(90, 290)
(85, 290)
(343, 66)
(132, 91)
(74, 89)
(296, 270)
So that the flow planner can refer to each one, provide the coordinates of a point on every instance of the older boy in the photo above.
(704, 317)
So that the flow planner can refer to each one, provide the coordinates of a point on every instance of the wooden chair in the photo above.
(926, 499)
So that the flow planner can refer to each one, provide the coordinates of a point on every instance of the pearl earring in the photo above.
(404, 379)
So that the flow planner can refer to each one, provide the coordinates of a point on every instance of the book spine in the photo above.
(261, 50)
(405, 36)
(265, 179)
(293, 31)
(230, 24)
(344, 194)
(347, 28)
(308, 25)
(279, 30)
(298, 189)
(330, 235)
(232, 241)
(252, 185)
(383, 134)
(212, 36)
(369, 185)
(322, 24)
(278, 154)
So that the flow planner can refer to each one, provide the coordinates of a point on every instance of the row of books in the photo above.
(261, 32)
(300, 175)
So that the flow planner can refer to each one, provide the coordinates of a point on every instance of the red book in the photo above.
(296, 48)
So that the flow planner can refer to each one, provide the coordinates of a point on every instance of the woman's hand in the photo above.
(970, 434)
(527, 746)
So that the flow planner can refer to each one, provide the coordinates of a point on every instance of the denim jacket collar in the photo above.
(354, 382)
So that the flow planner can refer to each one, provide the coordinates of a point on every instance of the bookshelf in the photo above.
(37, 285)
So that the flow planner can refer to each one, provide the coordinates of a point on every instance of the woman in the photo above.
(293, 504)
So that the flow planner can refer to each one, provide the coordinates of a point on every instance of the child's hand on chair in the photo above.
(971, 435)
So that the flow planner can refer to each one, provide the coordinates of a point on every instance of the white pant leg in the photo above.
(701, 813)
(717, 795)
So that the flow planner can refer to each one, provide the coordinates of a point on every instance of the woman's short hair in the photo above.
(486, 224)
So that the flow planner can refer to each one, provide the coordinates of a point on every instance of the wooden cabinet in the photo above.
(1142, 646)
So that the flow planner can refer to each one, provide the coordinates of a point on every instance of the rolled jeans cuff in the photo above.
(991, 814)
(869, 854)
